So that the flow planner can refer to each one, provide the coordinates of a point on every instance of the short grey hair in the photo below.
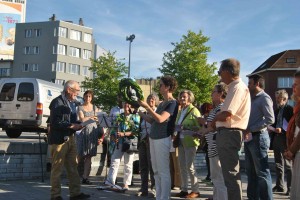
(69, 84)
(190, 93)
(155, 97)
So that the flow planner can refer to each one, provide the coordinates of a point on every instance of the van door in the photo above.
(26, 102)
(6, 98)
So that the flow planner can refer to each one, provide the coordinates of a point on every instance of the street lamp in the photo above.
(130, 39)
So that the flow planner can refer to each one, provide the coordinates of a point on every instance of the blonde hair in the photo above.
(282, 93)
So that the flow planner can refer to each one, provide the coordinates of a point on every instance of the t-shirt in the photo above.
(166, 128)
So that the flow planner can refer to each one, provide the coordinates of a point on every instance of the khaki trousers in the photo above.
(64, 155)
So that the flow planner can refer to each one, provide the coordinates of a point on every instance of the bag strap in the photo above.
(187, 114)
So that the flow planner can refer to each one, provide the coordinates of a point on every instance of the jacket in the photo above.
(60, 120)
(190, 123)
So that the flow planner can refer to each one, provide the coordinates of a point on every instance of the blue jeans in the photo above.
(257, 167)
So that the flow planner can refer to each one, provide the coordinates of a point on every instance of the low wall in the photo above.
(22, 160)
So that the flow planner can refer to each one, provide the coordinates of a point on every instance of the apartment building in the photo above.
(53, 50)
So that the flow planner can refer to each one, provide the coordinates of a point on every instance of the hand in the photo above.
(100, 141)
(143, 104)
(76, 127)
(201, 120)
(288, 155)
(277, 130)
(120, 134)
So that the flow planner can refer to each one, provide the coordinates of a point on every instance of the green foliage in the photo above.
(108, 72)
(187, 62)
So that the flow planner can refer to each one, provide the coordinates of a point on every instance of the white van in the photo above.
(24, 104)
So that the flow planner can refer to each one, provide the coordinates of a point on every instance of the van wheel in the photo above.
(13, 133)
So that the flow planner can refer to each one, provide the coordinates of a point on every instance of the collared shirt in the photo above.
(238, 103)
(262, 113)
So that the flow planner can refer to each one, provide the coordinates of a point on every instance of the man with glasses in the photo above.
(283, 114)
(63, 124)
(230, 123)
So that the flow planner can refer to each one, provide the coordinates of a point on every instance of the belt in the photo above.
(258, 132)
(225, 128)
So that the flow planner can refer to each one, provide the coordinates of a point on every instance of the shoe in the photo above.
(288, 192)
(86, 181)
(277, 189)
(57, 198)
(80, 196)
(181, 194)
(175, 188)
(152, 194)
(206, 180)
(192, 195)
(141, 194)
(209, 183)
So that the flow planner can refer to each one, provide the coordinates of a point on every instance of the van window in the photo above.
(7, 92)
(26, 92)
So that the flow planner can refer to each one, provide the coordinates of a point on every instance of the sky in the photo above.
(250, 31)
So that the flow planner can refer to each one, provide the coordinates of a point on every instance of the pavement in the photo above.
(38, 190)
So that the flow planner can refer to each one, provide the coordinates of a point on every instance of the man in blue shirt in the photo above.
(257, 141)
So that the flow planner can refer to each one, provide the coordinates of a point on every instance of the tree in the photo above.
(108, 72)
(187, 62)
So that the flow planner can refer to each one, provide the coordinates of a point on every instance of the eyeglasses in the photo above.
(219, 72)
(214, 91)
(75, 90)
(161, 85)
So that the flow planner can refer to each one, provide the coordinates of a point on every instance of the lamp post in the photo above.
(130, 39)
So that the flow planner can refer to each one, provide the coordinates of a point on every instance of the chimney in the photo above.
(52, 18)
(81, 22)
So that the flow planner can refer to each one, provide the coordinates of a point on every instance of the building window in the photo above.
(74, 52)
(85, 71)
(74, 69)
(87, 37)
(25, 67)
(291, 60)
(284, 82)
(37, 32)
(59, 67)
(4, 72)
(59, 81)
(75, 35)
(62, 32)
(86, 54)
(28, 33)
(26, 50)
(35, 67)
(36, 50)
(59, 49)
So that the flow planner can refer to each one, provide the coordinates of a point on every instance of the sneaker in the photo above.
(277, 189)
(141, 194)
(86, 181)
(80, 196)
(181, 194)
(152, 194)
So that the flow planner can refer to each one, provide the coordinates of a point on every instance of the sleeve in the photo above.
(268, 113)
(170, 108)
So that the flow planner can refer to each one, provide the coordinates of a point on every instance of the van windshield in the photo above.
(25, 92)
(7, 92)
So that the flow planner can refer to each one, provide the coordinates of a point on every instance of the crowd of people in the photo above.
(169, 132)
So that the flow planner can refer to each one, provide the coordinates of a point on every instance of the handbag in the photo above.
(176, 140)
(130, 145)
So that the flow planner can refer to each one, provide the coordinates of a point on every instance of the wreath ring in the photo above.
(131, 92)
